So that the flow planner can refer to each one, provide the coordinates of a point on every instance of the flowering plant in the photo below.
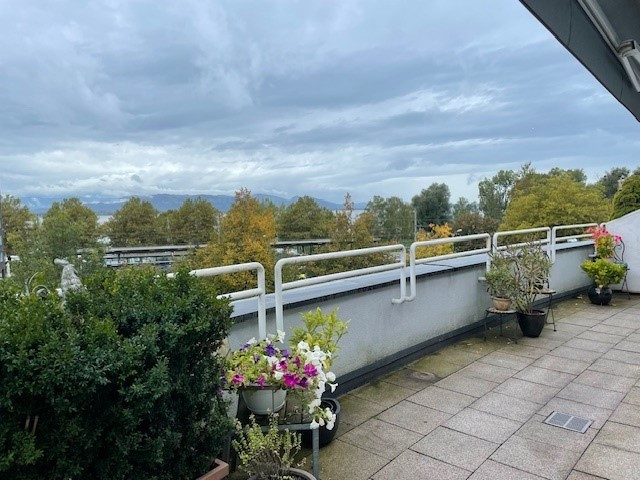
(605, 242)
(263, 364)
(603, 272)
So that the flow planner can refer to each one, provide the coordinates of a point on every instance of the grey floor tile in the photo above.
(411, 379)
(506, 406)
(633, 397)
(536, 429)
(591, 345)
(533, 392)
(455, 448)
(576, 475)
(597, 414)
(414, 417)
(620, 436)
(628, 346)
(598, 397)
(382, 393)
(601, 337)
(493, 373)
(435, 366)
(581, 320)
(606, 381)
(355, 410)
(634, 337)
(623, 356)
(562, 364)
(410, 465)
(544, 376)
(576, 354)
(525, 351)
(616, 368)
(381, 438)
(483, 425)
(340, 460)
(547, 343)
(611, 463)
(441, 399)
(612, 329)
(502, 359)
(539, 458)
(458, 382)
(627, 414)
(491, 470)
(620, 321)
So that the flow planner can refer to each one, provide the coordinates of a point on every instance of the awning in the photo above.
(604, 35)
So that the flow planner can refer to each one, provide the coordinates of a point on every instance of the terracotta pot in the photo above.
(220, 471)
(501, 304)
(265, 401)
(295, 473)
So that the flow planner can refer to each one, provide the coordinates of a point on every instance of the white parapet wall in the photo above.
(449, 299)
(628, 227)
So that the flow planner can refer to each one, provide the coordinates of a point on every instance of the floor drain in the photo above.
(568, 422)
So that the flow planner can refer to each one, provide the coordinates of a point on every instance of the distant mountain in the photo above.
(103, 205)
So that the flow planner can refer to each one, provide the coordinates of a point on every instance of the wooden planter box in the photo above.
(219, 472)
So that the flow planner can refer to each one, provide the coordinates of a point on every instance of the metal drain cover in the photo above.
(568, 422)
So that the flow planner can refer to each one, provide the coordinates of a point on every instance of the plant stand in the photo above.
(501, 314)
(549, 292)
(286, 421)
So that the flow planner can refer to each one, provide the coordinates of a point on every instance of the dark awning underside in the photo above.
(597, 32)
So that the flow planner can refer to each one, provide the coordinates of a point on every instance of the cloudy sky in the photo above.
(290, 98)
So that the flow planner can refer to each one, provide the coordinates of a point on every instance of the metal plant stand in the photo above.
(501, 314)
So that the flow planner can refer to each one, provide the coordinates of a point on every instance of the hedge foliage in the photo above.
(627, 198)
(123, 379)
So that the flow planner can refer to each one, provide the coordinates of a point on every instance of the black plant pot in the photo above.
(532, 323)
(326, 436)
(600, 296)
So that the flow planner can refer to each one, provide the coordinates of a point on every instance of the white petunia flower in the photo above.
(278, 375)
(314, 425)
(252, 340)
(331, 376)
(280, 336)
(304, 346)
(333, 387)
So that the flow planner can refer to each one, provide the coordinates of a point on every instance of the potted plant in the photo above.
(324, 331)
(264, 374)
(530, 268)
(500, 281)
(268, 455)
(604, 241)
(603, 273)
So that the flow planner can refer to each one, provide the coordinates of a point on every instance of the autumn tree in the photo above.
(435, 232)
(248, 231)
(627, 199)
(432, 205)
(612, 179)
(393, 219)
(550, 200)
(134, 224)
(494, 193)
(193, 223)
(304, 219)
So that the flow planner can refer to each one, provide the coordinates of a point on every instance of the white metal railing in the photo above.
(555, 239)
(545, 241)
(281, 286)
(258, 292)
(440, 241)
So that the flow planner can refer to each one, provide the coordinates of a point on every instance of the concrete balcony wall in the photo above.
(450, 300)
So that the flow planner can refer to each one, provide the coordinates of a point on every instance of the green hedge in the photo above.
(627, 198)
(124, 379)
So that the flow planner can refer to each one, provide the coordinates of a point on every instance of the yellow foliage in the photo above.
(437, 231)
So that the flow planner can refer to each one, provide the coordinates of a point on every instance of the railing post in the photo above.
(278, 294)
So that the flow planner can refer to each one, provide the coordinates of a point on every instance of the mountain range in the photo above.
(163, 202)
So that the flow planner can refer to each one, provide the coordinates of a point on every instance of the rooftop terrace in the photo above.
(475, 409)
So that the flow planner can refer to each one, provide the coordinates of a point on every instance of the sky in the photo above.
(114, 98)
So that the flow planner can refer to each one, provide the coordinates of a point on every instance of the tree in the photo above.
(304, 219)
(612, 179)
(432, 205)
(247, 232)
(18, 222)
(436, 231)
(627, 199)
(554, 200)
(68, 226)
(464, 207)
(393, 219)
(494, 193)
(134, 224)
(470, 223)
(575, 173)
(192, 224)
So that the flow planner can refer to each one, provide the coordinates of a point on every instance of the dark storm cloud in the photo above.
(291, 98)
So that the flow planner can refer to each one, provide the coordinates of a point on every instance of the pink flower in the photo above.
(310, 370)
(237, 379)
(303, 382)
(297, 361)
(291, 380)
(260, 381)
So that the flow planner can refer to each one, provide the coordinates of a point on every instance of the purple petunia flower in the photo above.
(270, 350)
(303, 382)
(291, 380)
(256, 358)
(260, 381)
(310, 370)
(297, 361)
(285, 353)
(237, 378)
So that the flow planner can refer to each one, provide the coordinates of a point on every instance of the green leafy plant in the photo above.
(500, 280)
(530, 267)
(121, 381)
(266, 455)
(323, 330)
(603, 272)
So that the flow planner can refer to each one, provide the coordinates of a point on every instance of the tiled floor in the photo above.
(476, 409)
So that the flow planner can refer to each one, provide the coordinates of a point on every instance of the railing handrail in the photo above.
(555, 238)
(258, 292)
(440, 241)
(281, 286)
